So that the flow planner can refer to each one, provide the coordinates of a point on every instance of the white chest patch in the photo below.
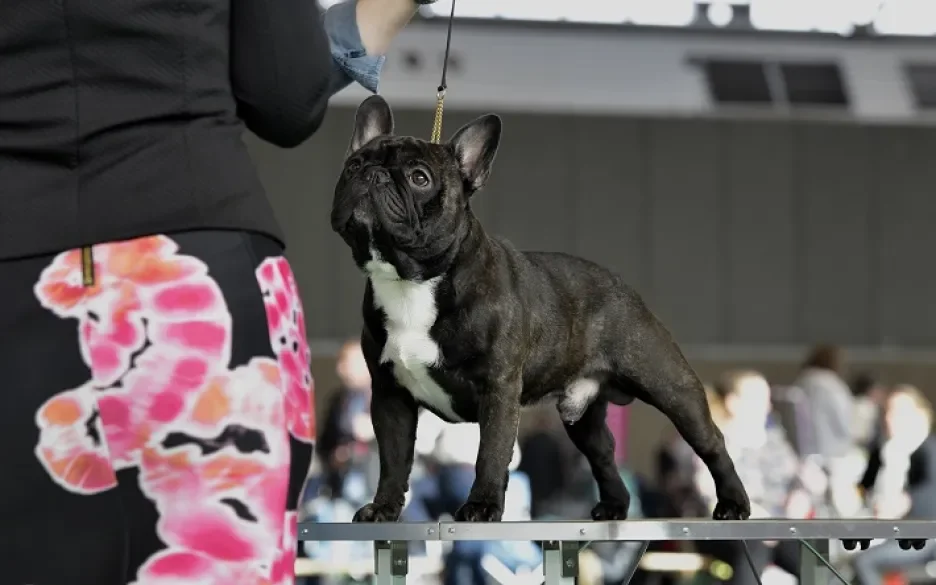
(411, 311)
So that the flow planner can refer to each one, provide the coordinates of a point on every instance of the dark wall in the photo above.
(735, 231)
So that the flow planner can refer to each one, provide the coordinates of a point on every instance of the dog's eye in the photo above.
(354, 165)
(419, 178)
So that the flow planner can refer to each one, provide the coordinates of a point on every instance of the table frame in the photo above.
(563, 540)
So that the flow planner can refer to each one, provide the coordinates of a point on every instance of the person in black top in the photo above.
(345, 445)
(900, 482)
(156, 410)
(867, 415)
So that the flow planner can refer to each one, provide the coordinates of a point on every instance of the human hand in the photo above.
(799, 504)
(380, 21)
(362, 428)
(340, 456)
(813, 477)
(759, 512)
(893, 507)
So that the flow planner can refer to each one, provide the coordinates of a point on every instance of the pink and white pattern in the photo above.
(156, 332)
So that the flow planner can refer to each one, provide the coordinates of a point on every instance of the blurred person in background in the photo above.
(132, 213)
(900, 482)
(542, 456)
(449, 453)
(555, 468)
(345, 470)
(563, 488)
(778, 484)
(346, 444)
(867, 415)
(831, 400)
(832, 408)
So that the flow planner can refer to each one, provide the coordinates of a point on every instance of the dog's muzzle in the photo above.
(354, 206)
(377, 176)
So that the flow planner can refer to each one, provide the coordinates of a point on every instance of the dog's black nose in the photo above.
(377, 175)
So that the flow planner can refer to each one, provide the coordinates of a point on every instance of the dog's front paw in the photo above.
(733, 504)
(610, 511)
(479, 512)
(377, 513)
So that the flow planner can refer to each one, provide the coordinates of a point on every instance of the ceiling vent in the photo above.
(777, 84)
(737, 82)
(813, 84)
(921, 78)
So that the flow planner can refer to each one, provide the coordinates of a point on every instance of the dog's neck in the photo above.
(466, 248)
(472, 243)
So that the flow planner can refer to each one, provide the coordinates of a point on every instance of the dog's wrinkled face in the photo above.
(401, 203)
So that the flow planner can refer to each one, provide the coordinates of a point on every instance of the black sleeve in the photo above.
(329, 437)
(280, 68)
(920, 474)
(871, 471)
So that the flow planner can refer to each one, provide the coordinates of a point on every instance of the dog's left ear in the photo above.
(373, 118)
(475, 145)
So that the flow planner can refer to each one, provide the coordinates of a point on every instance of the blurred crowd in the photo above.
(825, 446)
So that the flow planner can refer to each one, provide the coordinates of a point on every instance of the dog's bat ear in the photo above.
(373, 119)
(475, 145)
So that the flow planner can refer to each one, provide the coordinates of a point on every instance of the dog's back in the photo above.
(573, 313)
(572, 277)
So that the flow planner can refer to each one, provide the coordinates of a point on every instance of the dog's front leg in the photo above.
(499, 416)
(394, 413)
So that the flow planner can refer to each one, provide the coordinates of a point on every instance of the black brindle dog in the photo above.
(465, 325)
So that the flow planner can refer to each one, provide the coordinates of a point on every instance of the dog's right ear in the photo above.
(373, 119)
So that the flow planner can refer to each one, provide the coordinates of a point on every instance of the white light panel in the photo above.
(889, 17)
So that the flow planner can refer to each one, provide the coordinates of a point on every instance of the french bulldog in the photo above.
(465, 325)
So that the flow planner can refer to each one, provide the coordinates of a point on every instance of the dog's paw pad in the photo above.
(377, 513)
(732, 510)
(609, 511)
(479, 512)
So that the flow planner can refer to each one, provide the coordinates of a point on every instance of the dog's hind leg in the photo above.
(654, 370)
(591, 435)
